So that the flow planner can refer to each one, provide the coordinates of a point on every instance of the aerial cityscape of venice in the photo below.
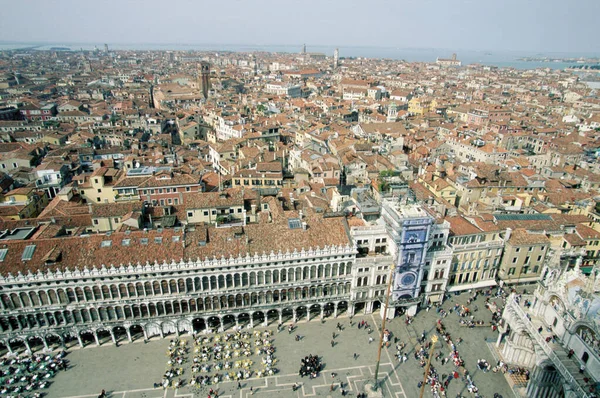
(299, 199)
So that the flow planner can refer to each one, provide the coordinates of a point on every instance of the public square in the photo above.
(131, 370)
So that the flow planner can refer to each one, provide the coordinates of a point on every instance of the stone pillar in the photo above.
(96, 338)
(322, 312)
(112, 335)
(499, 339)
(146, 334)
(280, 316)
(307, 314)
(8, 347)
(27, 345)
(45, 344)
(252, 321)
(266, 322)
(369, 307)
(294, 315)
(128, 334)
(237, 321)
(335, 310)
(79, 340)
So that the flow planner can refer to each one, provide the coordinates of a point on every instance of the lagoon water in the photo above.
(490, 57)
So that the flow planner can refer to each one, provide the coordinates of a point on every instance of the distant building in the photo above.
(336, 58)
(205, 78)
(290, 90)
(448, 62)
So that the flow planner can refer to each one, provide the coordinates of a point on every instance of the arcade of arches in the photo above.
(51, 317)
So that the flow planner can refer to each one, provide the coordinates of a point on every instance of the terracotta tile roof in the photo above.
(460, 226)
(201, 242)
(520, 237)
(204, 200)
(103, 210)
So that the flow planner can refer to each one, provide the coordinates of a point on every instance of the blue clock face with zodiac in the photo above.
(407, 279)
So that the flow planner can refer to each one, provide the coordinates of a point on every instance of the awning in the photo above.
(587, 270)
(435, 298)
(475, 285)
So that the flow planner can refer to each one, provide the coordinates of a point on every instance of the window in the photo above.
(539, 258)
(160, 190)
(206, 212)
(97, 199)
(188, 189)
(511, 271)
(239, 210)
(190, 214)
(170, 201)
(3, 166)
(99, 190)
(116, 219)
(95, 222)
(125, 242)
(514, 260)
(518, 249)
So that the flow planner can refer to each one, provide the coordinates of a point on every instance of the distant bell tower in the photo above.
(105, 48)
(336, 58)
(304, 49)
(392, 112)
(205, 78)
(454, 57)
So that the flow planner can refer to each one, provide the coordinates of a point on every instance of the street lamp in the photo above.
(387, 301)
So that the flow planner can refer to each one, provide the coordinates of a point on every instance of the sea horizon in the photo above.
(498, 58)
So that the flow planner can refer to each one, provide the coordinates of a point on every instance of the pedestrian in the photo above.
(581, 368)
(370, 340)
(331, 388)
(333, 335)
(239, 385)
(251, 390)
(332, 343)
(355, 356)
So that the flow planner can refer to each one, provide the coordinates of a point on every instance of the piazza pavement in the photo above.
(130, 370)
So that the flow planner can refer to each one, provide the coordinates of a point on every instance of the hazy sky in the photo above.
(529, 25)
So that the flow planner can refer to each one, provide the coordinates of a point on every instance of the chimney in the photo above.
(304, 225)
(507, 234)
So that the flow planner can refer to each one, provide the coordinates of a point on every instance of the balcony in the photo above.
(494, 244)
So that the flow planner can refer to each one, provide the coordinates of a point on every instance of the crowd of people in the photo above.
(310, 366)
(25, 376)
